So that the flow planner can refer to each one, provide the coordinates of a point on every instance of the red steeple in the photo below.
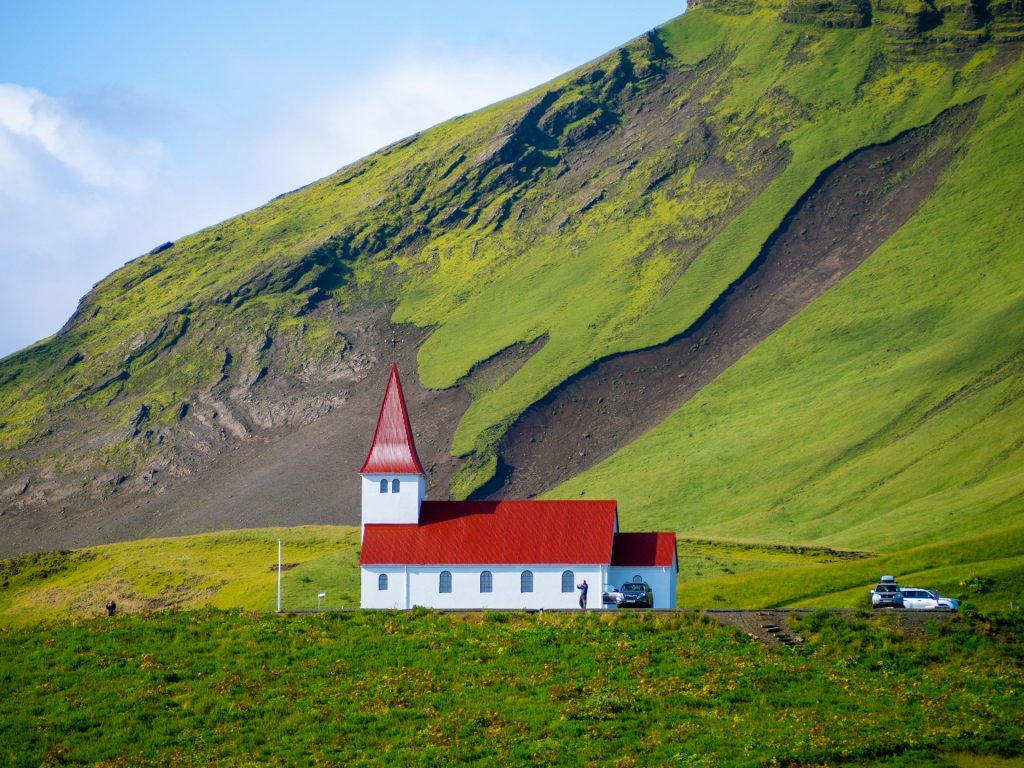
(392, 451)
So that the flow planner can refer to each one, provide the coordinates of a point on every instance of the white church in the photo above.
(489, 554)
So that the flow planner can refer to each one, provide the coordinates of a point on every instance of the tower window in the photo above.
(526, 581)
(567, 582)
(383, 486)
(486, 582)
(394, 485)
(445, 582)
(382, 582)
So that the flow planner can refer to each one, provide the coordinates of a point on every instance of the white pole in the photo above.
(278, 575)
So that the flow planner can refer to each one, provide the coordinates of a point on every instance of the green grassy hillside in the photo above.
(424, 689)
(231, 569)
(844, 90)
(986, 572)
(888, 413)
(603, 212)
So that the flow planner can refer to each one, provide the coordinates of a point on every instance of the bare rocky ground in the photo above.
(224, 470)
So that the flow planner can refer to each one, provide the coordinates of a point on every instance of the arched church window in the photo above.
(394, 485)
(567, 582)
(383, 486)
(445, 582)
(526, 581)
(382, 582)
(486, 582)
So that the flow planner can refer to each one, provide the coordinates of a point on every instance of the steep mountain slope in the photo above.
(848, 212)
(231, 379)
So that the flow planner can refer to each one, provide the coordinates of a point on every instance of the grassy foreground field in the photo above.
(205, 686)
(380, 688)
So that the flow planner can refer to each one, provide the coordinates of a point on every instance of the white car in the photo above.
(926, 600)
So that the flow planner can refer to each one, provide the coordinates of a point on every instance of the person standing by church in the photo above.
(583, 593)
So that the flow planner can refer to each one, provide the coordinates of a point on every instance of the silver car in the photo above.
(612, 596)
(887, 594)
(927, 600)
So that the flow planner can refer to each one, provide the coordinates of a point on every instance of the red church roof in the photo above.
(392, 451)
(644, 549)
(496, 533)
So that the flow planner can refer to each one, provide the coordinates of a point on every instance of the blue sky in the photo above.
(127, 124)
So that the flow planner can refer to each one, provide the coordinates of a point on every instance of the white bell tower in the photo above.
(393, 481)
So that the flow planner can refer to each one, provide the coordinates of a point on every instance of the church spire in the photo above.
(392, 451)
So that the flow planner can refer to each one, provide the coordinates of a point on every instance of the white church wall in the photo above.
(408, 586)
(394, 594)
(506, 587)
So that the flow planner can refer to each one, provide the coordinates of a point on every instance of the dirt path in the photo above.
(772, 626)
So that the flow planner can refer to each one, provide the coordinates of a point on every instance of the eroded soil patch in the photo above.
(850, 210)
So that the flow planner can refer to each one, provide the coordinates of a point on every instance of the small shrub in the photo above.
(599, 706)
(977, 585)
(566, 692)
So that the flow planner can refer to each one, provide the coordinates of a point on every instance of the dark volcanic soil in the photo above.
(284, 476)
(850, 210)
(266, 481)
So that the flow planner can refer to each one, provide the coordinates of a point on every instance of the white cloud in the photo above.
(96, 159)
(334, 127)
(69, 209)
(79, 198)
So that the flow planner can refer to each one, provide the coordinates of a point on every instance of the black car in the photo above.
(637, 594)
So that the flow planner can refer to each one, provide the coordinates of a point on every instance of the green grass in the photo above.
(336, 573)
(978, 570)
(847, 107)
(236, 570)
(420, 689)
(231, 569)
(575, 279)
(248, 687)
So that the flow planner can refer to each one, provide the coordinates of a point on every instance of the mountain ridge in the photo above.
(601, 213)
